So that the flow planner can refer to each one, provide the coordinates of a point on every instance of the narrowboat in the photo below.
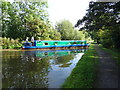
(54, 44)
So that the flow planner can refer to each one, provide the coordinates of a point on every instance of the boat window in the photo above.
(74, 43)
(27, 44)
(46, 43)
(81, 42)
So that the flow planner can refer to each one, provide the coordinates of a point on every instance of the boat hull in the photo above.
(56, 46)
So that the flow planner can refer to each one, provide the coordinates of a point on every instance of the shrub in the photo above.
(8, 43)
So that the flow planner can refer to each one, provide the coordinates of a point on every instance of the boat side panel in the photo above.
(55, 46)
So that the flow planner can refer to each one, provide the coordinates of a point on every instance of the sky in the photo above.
(71, 10)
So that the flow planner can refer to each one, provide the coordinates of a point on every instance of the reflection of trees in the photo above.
(10, 54)
(29, 69)
(64, 60)
(24, 73)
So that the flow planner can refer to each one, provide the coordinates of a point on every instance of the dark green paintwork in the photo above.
(68, 42)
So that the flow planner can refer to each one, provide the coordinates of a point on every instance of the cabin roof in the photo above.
(59, 40)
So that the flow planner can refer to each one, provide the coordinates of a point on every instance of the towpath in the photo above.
(108, 73)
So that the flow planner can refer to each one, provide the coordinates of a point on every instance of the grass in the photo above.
(114, 52)
(84, 74)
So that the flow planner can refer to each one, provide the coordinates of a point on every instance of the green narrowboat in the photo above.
(52, 44)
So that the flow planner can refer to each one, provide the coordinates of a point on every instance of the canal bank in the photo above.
(84, 74)
(10, 49)
(98, 68)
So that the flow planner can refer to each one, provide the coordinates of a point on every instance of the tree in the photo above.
(66, 29)
(103, 16)
(105, 38)
(25, 19)
(78, 35)
(55, 35)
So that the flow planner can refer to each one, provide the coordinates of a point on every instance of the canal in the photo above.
(38, 69)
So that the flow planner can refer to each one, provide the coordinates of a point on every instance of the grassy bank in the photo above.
(83, 75)
(114, 53)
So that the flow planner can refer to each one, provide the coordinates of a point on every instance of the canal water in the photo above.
(38, 69)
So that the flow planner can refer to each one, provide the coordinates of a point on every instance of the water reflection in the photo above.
(38, 69)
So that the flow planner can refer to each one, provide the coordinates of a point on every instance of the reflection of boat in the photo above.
(54, 44)
(40, 53)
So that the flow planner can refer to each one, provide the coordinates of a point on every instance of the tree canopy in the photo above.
(30, 19)
(103, 17)
(26, 19)
(67, 31)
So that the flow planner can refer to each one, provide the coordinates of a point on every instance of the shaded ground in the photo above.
(108, 75)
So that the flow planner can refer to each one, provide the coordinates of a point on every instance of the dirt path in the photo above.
(107, 76)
